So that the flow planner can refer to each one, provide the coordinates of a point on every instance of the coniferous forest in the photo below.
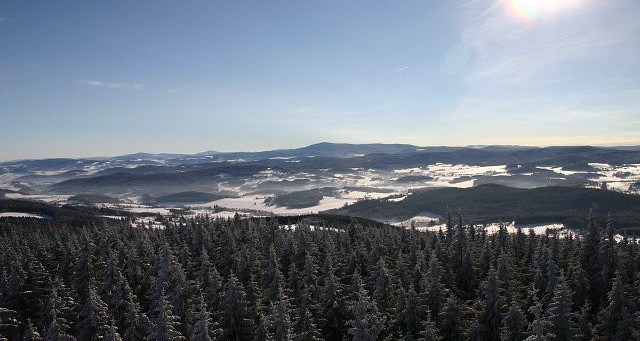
(256, 279)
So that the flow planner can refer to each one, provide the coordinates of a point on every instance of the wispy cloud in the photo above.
(508, 50)
(124, 86)
(396, 71)
(2, 19)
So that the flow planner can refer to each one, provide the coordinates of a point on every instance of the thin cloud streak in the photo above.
(125, 86)
(396, 71)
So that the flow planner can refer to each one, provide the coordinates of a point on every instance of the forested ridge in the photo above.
(255, 279)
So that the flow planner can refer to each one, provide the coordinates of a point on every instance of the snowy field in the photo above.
(19, 215)
(540, 229)
(256, 202)
(51, 199)
(617, 177)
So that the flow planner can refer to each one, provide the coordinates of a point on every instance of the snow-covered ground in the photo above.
(560, 170)
(256, 202)
(617, 178)
(138, 208)
(19, 215)
(423, 219)
(427, 221)
(48, 198)
(293, 227)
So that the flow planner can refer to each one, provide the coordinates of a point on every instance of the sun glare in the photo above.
(528, 11)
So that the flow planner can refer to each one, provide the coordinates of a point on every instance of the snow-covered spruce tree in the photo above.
(59, 306)
(305, 329)
(614, 321)
(584, 327)
(580, 284)
(432, 291)
(412, 313)
(537, 328)
(165, 324)
(263, 329)
(132, 323)
(450, 323)
(381, 289)
(589, 259)
(31, 333)
(514, 324)
(559, 313)
(236, 321)
(429, 331)
(56, 327)
(273, 276)
(367, 323)
(112, 335)
(202, 329)
(93, 320)
(606, 259)
(491, 317)
(280, 318)
(332, 317)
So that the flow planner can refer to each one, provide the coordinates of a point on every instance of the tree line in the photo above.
(253, 279)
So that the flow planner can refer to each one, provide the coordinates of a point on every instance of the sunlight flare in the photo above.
(528, 11)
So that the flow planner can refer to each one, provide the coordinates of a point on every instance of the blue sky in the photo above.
(87, 78)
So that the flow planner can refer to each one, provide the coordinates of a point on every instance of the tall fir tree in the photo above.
(236, 321)
(559, 313)
(367, 323)
(93, 320)
(165, 323)
(514, 324)
(614, 321)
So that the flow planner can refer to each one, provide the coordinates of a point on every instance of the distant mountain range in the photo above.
(329, 175)
(323, 149)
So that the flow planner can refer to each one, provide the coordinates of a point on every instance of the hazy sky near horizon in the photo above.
(87, 78)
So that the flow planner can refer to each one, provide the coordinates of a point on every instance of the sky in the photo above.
(98, 78)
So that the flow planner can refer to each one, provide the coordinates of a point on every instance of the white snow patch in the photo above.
(19, 215)
(256, 202)
(398, 199)
(559, 170)
(51, 199)
(282, 158)
(539, 229)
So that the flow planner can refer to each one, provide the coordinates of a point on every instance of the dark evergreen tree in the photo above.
(559, 314)
(263, 329)
(165, 324)
(112, 335)
(432, 290)
(429, 331)
(538, 328)
(306, 329)
(491, 317)
(450, 323)
(56, 327)
(31, 333)
(514, 324)
(614, 322)
(332, 320)
(584, 327)
(93, 320)
(280, 318)
(367, 323)
(204, 328)
(130, 320)
(236, 322)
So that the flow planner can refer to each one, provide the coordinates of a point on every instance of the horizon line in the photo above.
(470, 146)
